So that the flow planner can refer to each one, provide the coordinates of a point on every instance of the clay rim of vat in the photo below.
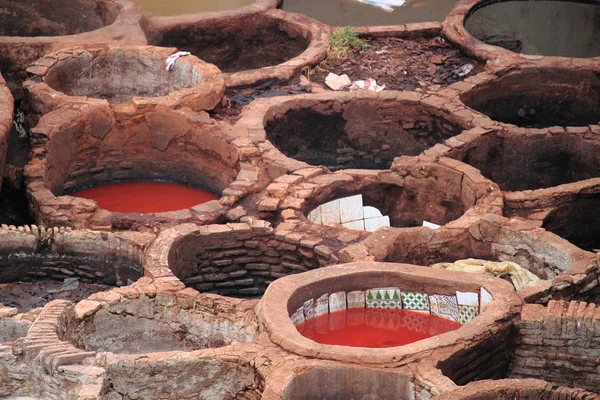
(252, 121)
(453, 29)
(316, 32)
(273, 310)
(203, 96)
(129, 13)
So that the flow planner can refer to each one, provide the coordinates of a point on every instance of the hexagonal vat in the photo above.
(382, 288)
(575, 222)
(528, 161)
(539, 97)
(39, 266)
(167, 322)
(343, 131)
(240, 42)
(56, 18)
(94, 147)
(548, 28)
(119, 74)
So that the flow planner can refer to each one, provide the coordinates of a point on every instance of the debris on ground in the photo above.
(370, 84)
(402, 64)
(337, 82)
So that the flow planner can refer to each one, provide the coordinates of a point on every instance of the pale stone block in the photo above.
(431, 225)
(356, 225)
(372, 224)
(371, 212)
(330, 213)
(322, 305)
(356, 299)
(467, 299)
(485, 298)
(337, 302)
(351, 208)
(309, 309)
(315, 216)
(298, 317)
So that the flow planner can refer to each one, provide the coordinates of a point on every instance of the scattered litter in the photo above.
(386, 5)
(464, 70)
(170, 63)
(383, 51)
(431, 225)
(371, 85)
(337, 82)
(68, 285)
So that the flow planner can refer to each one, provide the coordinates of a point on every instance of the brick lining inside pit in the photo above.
(238, 43)
(366, 133)
(160, 323)
(118, 75)
(541, 97)
(527, 162)
(559, 343)
(350, 383)
(34, 262)
(576, 222)
(240, 263)
(56, 18)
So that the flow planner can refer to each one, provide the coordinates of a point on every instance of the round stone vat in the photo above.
(547, 28)
(39, 266)
(56, 18)
(519, 161)
(238, 260)
(95, 146)
(315, 381)
(119, 74)
(491, 238)
(237, 43)
(166, 322)
(539, 97)
(341, 130)
(415, 192)
(575, 222)
(290, 300)
(193, 375)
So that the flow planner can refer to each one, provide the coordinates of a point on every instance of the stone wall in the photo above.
(560, 344)
(241, 260)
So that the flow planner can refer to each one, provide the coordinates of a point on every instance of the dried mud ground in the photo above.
(402, 64)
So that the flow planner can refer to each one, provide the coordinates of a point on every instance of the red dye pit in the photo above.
(145, 197)
(376, 328)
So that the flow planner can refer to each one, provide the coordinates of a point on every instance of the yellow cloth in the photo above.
(521, 278)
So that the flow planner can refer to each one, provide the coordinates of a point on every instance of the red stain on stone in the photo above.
(145, 197)
(376, 328)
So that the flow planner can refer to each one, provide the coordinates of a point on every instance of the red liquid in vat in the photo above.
(145, 197)
(376, 328)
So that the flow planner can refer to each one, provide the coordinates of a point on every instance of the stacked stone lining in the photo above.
(559, 344)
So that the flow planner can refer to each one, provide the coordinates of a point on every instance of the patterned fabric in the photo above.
(444, 307)
(415, 301)
(467, 313)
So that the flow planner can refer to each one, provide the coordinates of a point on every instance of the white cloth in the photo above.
(170, 63)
